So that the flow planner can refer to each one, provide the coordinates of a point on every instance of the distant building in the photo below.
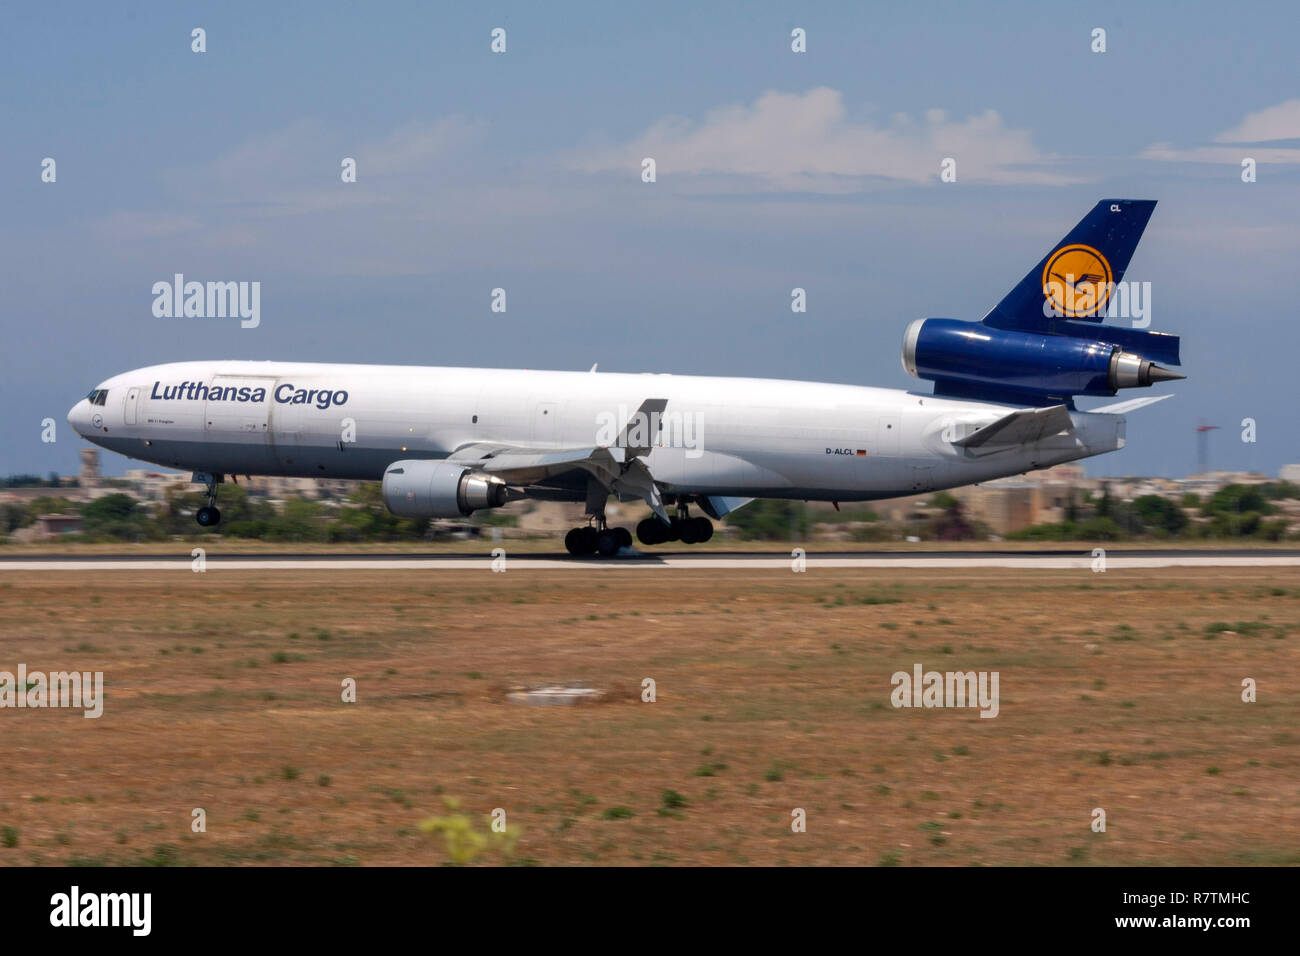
(89, 476)
(49, 526)
(24, 496)
(1211, 481)
(277, 487)
(145, 484)
(1290, 473)
(1036, 497)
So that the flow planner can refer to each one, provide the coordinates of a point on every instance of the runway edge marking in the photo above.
(217, 562)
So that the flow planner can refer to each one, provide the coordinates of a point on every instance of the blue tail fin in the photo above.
(1073, 281)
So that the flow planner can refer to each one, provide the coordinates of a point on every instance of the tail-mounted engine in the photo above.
(974, 360)
(1045, 342)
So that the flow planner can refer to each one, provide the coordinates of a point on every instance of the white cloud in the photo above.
(417, 148)
(296, 169)
(1231, 155)
(788, 141)
(1273, 123)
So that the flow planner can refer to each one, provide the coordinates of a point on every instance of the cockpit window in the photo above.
(97, 396)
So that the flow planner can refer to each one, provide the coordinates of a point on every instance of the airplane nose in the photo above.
(79, 416)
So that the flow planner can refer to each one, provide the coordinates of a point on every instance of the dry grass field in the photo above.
(223, 691)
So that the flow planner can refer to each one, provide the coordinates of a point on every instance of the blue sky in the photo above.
(521, 170)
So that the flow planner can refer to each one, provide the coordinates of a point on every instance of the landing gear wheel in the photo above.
(652, 531)
(687, 530)
(208, 515)
(624, 537)
(607, 542)
(703, 530)
(580, 541)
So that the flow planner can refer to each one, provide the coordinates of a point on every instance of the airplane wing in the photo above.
(618, 467)
(622, 473)
(524, 464)
(1021, 427)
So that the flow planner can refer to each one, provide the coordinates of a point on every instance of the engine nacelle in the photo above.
(439, 489)
(974, 354)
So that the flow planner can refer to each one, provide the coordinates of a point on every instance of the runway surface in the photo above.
(1057, 559)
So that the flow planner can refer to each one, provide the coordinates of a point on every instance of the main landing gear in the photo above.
(601, 540)
(210, 515)
(683, 528)
(597, 537)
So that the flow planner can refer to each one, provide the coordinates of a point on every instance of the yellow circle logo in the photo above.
(1077, 281)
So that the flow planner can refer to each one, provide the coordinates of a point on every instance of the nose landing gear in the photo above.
(209, 516)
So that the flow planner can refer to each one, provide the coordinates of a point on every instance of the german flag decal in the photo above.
(862, 453)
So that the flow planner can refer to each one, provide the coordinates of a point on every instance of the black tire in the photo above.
(575, 542)
(607, 542)
(624, 537)
(703, 530)
(651, 531)
(688, 530)
(207, 517)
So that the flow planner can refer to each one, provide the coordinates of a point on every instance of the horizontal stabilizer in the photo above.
(1132, 405)
(1021, 427)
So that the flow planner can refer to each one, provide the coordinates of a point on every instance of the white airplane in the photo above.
(446, 442)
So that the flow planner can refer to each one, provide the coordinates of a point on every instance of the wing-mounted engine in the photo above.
(440, 489)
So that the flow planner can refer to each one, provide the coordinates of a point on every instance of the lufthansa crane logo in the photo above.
(1077, 281)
